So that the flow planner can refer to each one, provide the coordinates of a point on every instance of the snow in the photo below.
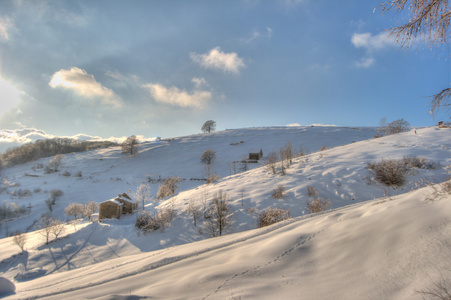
(376, 242)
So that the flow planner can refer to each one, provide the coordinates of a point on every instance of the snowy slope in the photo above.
(380, 249)
(339, 173)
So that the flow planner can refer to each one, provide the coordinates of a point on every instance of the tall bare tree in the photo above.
(428, 20)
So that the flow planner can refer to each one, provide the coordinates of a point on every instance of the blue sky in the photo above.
(162, 68)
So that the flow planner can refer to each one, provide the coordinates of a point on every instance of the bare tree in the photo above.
(130, 146)
(271, 161)
(219, 215)
(397, 126)
(89, 209)
(20, 239)
(208, 156)
(57, 227)
(45, 222)
(143, 194)
(54, 164)
(428, 20)
(194, 210)
(209, 126)
(75, 210)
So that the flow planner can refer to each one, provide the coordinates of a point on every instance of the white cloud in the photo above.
(84, 84)
(177, 97)
(365, 62)
(216, 59)
(5, 25)
(257, 34)
(199, 82)
(372, 42)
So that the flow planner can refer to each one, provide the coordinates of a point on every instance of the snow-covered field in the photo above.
(376, 242)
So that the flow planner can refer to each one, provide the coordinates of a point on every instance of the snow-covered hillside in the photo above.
(348, 252)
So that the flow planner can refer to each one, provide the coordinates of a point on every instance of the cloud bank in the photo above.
(216, 59)
(85, 85)
(10, 138)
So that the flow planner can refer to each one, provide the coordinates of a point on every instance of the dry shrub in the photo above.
(318, 205)
(312, 192)
(279, 192)
(389, 171)
(273, 215)
(212, 178)
(160, 220)
(420, 163)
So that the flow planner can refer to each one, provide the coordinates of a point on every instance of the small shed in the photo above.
(256, 155)
(110, 209)
(128, 205)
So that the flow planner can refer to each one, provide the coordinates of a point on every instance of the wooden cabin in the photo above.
(256, 156)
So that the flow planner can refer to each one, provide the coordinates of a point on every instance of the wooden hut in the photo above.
(110, 209)
(256, 155)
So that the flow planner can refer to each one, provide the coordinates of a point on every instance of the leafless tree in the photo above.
(208, 156)
(89, 209)
(428, 20)
(209, 126)
(397, 126)
(143, 194)
(271, 161)
(54, 164)
(45, 222)
(75, 210)
(20, 239)
(57, 227)
(130, 146)
(194, 210)
(219, 215)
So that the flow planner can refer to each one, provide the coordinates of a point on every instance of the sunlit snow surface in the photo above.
(378, 242)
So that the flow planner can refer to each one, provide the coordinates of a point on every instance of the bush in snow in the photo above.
(22, 193)
(160, 220)
(312, 192)
(317, 205)
(389, 171)
(11, 210)
(66, 173)
(273, 215)
(51, 201)
(279, 192)
(54, 164)
(212, 178)
(168, 188)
